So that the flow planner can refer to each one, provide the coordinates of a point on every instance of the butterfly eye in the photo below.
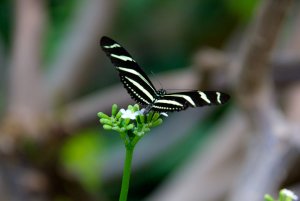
(162, 92)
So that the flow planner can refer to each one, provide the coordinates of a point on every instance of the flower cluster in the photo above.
(132, 124)
(284, 195)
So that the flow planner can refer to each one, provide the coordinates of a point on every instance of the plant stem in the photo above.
(126, 173)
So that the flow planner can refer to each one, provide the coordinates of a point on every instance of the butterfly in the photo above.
(141, 89)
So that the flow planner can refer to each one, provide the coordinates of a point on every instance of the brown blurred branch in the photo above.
(208, 174)
(268, 153)
(26, 106)
(254, 93)
(289, 45)
(253, 61)
(76, 56)
(26, 101)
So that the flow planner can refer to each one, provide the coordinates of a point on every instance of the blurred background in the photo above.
(54, 79)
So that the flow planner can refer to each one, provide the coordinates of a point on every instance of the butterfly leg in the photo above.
(148, 108)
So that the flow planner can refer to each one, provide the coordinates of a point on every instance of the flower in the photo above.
(129, 114)
(289, 194)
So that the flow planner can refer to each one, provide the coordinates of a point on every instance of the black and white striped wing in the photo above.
(183, 100)
(132, 76)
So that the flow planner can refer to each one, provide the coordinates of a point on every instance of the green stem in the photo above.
(126, 173)
(135, 140)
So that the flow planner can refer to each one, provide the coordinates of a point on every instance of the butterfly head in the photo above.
(162, 92)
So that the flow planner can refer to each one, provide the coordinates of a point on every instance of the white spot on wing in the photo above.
(138, 74)
(112, 46)
(122, 57)
(171, 102)
(187, 98)
(203, 96)
(218, 97)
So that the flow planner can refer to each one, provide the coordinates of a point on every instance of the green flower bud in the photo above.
(142, 118)
(118, 115)
(114, 109)
(136, 107)
(268, 198)
(102, 115)
(127, 121)
(130, 107)
(130, 126)
(157, 122)
(107, 127)
(155, 116)
(139, 133)
(149, 116)
(105, 121)
(116, 128)
(123, 122)
(122, 129)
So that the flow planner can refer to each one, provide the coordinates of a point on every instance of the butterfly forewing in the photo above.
(132, 76)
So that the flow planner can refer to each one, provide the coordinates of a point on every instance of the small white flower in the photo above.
(289, 194)
(128, 114)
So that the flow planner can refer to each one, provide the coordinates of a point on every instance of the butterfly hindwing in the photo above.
(132, 76)
(183, 100)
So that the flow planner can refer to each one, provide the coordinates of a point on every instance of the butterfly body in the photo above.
(141, 89)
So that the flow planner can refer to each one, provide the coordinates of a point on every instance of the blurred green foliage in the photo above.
(60, 14)
(243, 9)
(6, 15)
(170, 31)
(82, 156)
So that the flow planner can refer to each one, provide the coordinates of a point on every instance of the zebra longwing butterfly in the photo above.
(141, 89)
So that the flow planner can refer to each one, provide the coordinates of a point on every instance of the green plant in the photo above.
(132, 124)
(284, 195)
